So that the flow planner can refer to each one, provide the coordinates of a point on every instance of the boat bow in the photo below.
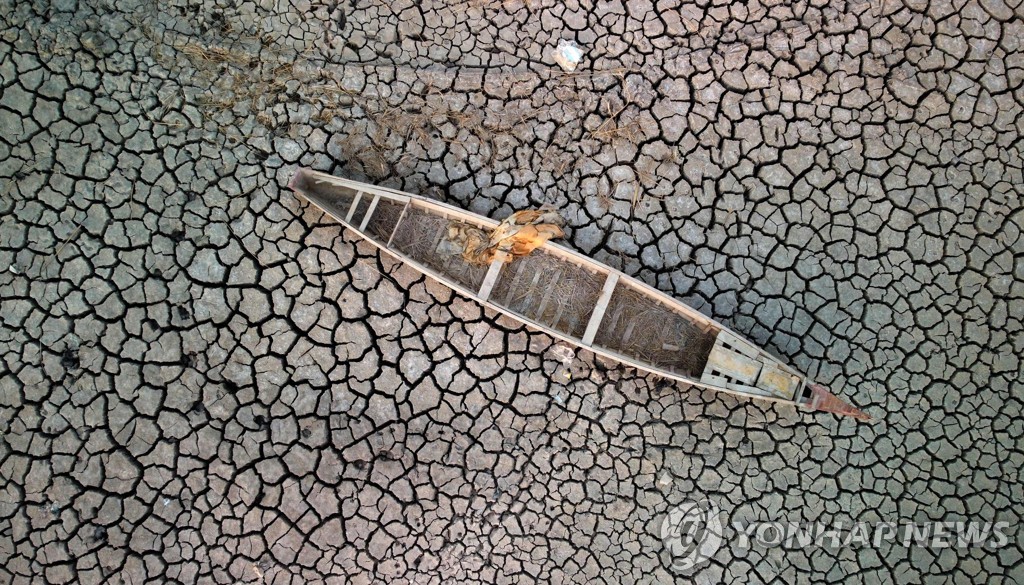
(821, 399)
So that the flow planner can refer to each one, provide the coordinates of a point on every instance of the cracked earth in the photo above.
(204, 379)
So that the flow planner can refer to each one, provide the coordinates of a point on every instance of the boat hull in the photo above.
(566, 295)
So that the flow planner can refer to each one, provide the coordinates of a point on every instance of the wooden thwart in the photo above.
(369, 212)
(352, 210)
(602, 305)
(398, 224)
(492, 276)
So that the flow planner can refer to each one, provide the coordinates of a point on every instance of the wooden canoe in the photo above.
(569, 296)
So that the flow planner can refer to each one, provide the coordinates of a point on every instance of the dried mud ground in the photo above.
(205, 380)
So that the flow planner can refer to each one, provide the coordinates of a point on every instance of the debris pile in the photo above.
(517, 235)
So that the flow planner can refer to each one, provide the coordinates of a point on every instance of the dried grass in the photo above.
(550, 290)
(613, 127)
(206, 54)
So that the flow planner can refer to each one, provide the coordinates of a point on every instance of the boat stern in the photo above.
(818, 397)
(300, 181)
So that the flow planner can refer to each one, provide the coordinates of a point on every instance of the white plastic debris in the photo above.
(567, 54)
(563, 353)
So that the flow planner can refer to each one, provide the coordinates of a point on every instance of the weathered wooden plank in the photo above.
(439, 239)
(602, 305)
(492, 276)
(747, 389)
(777, 382)
(515, 282)
(562, 304)
(352, 210)
(547, 295)
(369, 213)
(713, 380)
(398, 224)
(733, 364)
(737, 343)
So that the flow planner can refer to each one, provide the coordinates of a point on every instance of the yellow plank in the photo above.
(733, 364)
(777, 382)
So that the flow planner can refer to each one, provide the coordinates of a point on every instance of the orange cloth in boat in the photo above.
(517, 235)
(474, 242)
